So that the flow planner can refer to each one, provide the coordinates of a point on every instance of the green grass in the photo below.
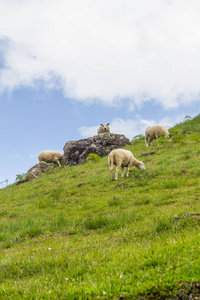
(75, 234)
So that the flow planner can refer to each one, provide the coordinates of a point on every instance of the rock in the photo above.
(35, 171)
(76, 152)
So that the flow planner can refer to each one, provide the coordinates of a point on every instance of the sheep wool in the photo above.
(104, 128)
(123, 158)
(153, 132)
(49, 156)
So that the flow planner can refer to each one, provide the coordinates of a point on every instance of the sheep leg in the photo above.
(127, 171)
(149, 143)
(58, 162)
(146, 140)
(111, 167)
(122, 172)
(111, 172)
(116, 172)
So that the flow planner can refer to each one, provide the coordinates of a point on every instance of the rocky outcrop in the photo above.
(76, 152)
(35, 171)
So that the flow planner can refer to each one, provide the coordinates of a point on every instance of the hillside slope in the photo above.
(75, 234)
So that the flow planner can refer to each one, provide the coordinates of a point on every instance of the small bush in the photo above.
(138, 137)
(92, 157)
(20, 177)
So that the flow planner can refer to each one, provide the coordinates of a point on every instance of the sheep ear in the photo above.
(101, 124)
(108, 123)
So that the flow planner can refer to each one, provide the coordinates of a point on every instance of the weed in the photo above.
(116, 201)
(113, 221)
(173, 183)
(32, 229)
(186, 154)
(57, 193)
(59, 223)
(142, 201)
(162, 226)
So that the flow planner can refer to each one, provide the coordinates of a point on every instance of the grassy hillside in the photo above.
(75, 234)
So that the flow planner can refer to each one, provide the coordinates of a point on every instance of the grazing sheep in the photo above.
(123, 158)
(153, 132)
(49, 156)
(104, 128)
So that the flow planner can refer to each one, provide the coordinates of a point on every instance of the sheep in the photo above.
(104, 128)
(49, 156)
(153, 132)
(123, 158)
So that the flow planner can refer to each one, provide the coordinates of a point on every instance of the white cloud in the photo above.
(110, 51)
(131, 128)
(86, 132)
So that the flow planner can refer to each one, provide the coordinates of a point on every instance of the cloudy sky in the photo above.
(67, 66)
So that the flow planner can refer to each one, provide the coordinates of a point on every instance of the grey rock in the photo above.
(76, 152)
(35, 171)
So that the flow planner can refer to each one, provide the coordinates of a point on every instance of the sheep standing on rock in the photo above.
(104, 128)
(49, 156)
(123, 158)
(153, 132)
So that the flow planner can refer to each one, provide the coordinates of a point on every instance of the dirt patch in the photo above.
(122, 184)
(80, 185)
(185, 291)
(196, 216)
(150, 153)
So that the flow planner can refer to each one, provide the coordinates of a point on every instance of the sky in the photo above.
(68, 66)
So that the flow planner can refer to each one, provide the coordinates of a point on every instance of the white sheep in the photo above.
(49, 156)
(153, 132)
(104, 128)
(123, 158)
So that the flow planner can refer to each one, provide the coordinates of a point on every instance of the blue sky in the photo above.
(67, 66)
